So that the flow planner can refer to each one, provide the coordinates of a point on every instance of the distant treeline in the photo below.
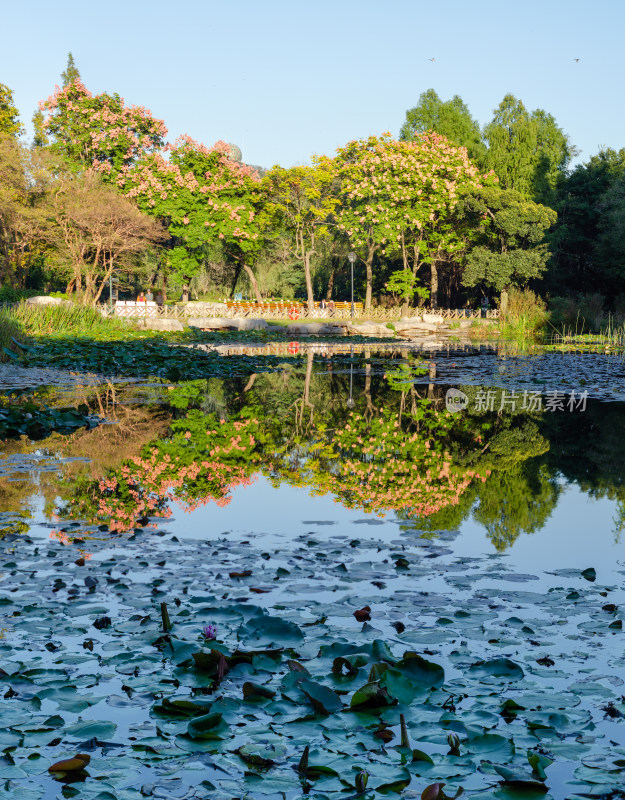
(445, 214)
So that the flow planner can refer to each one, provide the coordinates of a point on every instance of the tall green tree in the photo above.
(552, 158)
(450, 118)
(527, 151)
(9, 115)
(71, 73)
(511, 138)
(576, 264)
(507, 233)
(204, 198)
(40, 137)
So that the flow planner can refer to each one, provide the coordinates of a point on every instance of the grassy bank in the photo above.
(66, 319)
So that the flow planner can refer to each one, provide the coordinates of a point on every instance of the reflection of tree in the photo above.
(588, 449)
(388, 454)
(519, 501)
(520, 493)
(202, 460)
(398, 449)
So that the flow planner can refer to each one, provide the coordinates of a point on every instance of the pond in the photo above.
(334, 578)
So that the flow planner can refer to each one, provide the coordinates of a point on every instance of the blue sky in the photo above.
(284, 80)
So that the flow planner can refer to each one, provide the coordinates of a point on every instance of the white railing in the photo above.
(132, 309)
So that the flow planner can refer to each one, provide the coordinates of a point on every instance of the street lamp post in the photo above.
(351, 257)
(351, 402)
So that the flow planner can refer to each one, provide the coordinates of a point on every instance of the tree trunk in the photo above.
(254, 282)
(434, 286)
(330, 283)
(369, 268)
(237, 274)
(309, 286)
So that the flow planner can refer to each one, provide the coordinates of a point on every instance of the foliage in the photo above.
(10, 332)
(10, 124)
(526, 315)
(96, 232)
(577, 314)
(398, 199)
(100, 131)
(22, 216)
(302, 200)
(451, 119)
(202, 460)
(70, 74)
(10, 294)
(576, 266)
(403, 282)
(528, 152)
(67, 320)
(204, 197)
(510, 248)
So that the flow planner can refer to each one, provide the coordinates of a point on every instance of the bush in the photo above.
(580, 313)
(526, 315)
(10, 295)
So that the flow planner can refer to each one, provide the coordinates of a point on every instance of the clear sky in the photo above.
(284, 80)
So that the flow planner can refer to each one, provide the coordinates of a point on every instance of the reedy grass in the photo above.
(526, 316)
(63, 319)
(9, 330)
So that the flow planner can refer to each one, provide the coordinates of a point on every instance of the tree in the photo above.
(100, 131)
(397, 198)
(512, 144)
(527, 152)
(450, 119)
(10, 124)
(551, 160)
(71, 73)
(203, 197)
(95, 231)
(22, 217)
(507, 233)
(609, 248)
(576, 264)
(302, 200)
(40, 139)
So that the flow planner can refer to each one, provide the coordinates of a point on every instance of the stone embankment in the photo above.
(411, 328)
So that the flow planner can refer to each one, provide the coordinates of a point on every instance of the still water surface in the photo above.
(488, 542)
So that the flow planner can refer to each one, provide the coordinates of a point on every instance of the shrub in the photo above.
(8, 294)
(526, 315)
(578, 314)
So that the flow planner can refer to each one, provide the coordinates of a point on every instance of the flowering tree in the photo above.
(398, 199)
(302, 200)
(203, 196)
(100, 130)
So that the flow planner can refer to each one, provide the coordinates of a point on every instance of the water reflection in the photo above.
(380, 443)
